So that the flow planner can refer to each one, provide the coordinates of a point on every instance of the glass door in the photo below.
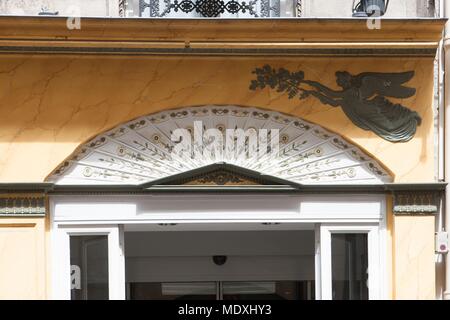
(349, 266)
(222, 290)
(90, 264)
(89, 267)
(267, 290)
(172, 291)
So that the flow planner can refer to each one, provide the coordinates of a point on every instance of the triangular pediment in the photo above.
(221, 175)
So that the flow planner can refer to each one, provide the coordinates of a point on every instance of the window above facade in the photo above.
(214, 8)
(222, 9)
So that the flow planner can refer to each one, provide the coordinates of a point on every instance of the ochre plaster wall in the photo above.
(414, 266)
(23, 265)
(409, 255)
(51, 104)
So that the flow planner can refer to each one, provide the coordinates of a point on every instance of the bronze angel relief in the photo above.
(362, 98)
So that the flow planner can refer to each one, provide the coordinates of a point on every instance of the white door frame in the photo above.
(61, 283)
(106, 215)
(375, 281)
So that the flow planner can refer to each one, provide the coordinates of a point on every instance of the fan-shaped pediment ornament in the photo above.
(145, 149)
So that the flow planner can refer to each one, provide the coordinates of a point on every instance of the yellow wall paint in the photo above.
(414, 266)
(23, 258)
(51, 104)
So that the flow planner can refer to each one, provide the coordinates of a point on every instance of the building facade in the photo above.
(280, 149)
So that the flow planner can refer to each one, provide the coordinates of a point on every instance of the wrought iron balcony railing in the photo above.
(212, 8)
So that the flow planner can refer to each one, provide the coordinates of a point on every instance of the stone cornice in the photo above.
(28, 199)
(388, 188)
(417, 37)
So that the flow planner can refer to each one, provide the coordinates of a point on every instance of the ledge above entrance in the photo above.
(409, 199)
(49, 188)
(297, 36)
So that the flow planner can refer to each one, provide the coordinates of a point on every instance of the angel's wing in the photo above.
(384, 84)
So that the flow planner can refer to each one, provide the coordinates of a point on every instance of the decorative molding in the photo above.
(266, 185)
(17, 225)
(416, 202)
(219, 178)
(231, 49)
(219, 174)
(22, 205)
(314, 32)
(141, 151)
(362, 98)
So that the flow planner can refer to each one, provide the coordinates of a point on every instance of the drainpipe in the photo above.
(447, 139)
